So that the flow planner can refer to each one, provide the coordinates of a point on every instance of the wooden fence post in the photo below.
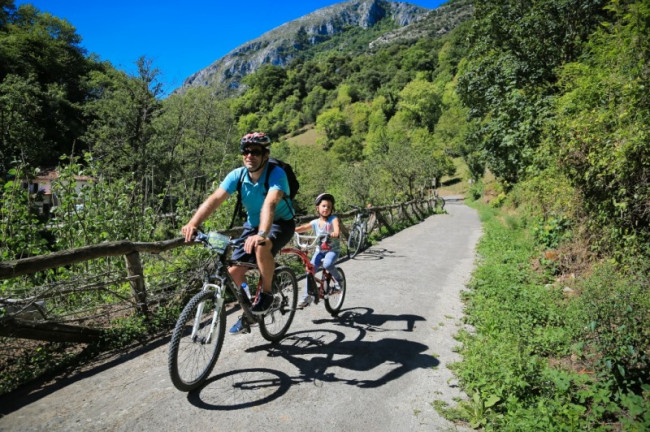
(136, 279)
(406, 214)
(382, 221)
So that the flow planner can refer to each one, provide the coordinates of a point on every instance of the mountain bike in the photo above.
(321, 288)
(199, 332)
(358, 232)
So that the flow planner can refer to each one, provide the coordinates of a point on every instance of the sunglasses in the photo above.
(256, 153)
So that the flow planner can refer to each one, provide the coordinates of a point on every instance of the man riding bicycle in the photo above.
(269, 225)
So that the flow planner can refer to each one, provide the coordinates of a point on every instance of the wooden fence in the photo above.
(27, 317)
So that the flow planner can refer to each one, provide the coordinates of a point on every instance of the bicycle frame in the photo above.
(309, 267)
(199, 332)
(223, 276)
(361, 219)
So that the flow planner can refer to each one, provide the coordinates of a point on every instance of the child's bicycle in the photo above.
(199, 332)
(358, 232)
(320, 288)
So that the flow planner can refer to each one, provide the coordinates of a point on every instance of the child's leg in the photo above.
(315, 260)
(329, 263)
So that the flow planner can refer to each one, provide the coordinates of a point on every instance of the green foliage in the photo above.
(32, 363)
(21, 229)
(511, 71)
(602, 132)
(20, 106)
(527, 338)
(551, 232)
(42, 70)
(616, 307)
(421, 102)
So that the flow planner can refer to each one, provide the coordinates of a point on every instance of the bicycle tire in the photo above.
(191, 359)
(355, 241)
(275, 324)
(333, 303)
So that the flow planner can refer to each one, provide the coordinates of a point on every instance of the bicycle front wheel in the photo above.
(334, 300)
(275, 324)
(355, 241)
(196, 341)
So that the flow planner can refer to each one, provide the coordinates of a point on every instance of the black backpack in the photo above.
(294, 185)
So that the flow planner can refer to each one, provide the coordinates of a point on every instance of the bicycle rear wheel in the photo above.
(275, 324)
(334, 301)
(355, 241)
(196, 341)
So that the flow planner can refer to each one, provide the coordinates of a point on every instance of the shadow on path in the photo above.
(320, 356)
(40, 388)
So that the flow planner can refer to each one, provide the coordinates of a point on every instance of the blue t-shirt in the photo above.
(253, 194)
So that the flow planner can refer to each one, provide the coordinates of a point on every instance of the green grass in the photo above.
(530, 363)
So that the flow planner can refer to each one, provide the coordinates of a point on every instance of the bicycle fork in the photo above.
(215, 315)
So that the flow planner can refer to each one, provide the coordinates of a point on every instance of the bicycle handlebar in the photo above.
(306, 242)
(364, 213)
(215, 240)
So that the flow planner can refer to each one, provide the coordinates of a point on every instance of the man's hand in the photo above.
(252, 242)
(188, 232)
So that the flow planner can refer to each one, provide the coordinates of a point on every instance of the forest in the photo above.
(545, 102)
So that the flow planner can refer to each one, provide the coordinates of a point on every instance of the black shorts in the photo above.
(281, 233)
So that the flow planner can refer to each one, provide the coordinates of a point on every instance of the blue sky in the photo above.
(180, 37)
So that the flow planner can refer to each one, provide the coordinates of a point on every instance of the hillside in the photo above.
(302, 36)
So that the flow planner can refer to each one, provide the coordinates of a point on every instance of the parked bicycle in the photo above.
(358, 232)
(321, 288)
(199, 332)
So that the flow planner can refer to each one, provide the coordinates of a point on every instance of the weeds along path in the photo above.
(378, 366)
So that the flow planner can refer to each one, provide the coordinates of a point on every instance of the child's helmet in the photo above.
(325, 196)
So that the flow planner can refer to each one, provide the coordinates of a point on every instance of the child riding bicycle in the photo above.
(326, 227)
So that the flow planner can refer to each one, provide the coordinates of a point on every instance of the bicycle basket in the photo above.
(218, 242)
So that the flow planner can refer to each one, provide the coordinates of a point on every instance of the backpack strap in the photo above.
(285, 198)
(238, 206)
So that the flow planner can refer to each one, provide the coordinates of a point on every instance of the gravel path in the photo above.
(377, 367)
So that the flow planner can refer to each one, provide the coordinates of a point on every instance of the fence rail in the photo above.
(25, 317)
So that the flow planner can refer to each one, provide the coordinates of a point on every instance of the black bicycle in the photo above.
(199, 332)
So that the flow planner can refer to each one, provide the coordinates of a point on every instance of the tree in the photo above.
(421, 102)
(120, 134)
(511, 70)
(333, 124)
(44, 52)
(195, 135)
(20, 134)
(602, 130)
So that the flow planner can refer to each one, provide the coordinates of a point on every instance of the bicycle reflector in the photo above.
(217, 241)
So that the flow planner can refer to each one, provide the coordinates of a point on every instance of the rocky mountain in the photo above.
(284, 43)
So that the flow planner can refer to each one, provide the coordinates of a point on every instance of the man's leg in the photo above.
(266, 264)
(279, 235)
(238, 275)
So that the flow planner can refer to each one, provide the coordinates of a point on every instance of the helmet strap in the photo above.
(264, 162)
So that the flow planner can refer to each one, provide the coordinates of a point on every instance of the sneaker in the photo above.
(306, 301)
(239, 327)
(336, 286)
(263, 303)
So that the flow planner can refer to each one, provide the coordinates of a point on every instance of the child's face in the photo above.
(324, 208)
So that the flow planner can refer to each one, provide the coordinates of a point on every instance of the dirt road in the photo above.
(377, 367)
